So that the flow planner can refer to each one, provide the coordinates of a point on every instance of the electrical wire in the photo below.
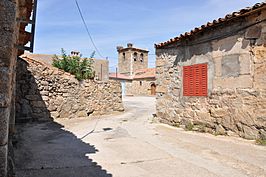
(87, 29)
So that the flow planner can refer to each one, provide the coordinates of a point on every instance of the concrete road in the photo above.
(132, 145)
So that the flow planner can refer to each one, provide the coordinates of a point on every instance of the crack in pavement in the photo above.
(143, 161)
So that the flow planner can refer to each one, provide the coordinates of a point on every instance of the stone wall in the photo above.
(141, 87)
(236, 56)
(45, 92)
(11, 34)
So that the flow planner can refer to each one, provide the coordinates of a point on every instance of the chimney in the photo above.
(75, 54)
(129, 45)
(119, 48)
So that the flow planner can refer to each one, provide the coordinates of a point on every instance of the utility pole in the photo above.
(101, 72)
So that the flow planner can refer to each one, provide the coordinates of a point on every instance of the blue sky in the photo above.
(117, 22)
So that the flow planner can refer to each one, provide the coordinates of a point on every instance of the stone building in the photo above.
(14, 16)
(131, 59)
(101, 66)
(212, 79)
(133, 72)
(142, 83)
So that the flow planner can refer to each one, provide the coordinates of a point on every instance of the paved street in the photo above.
(132, 144)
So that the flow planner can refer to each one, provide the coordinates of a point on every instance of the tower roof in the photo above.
(130, 47)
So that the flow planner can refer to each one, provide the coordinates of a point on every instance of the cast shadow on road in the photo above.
(46, 150)
(42, 147)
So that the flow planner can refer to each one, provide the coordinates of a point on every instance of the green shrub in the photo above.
(261, 142)
(81, 68)
(189, 126)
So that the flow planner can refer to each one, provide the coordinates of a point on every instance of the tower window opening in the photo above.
(135, 56)
(141, 57)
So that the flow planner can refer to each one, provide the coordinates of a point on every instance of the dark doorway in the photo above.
(153, 89)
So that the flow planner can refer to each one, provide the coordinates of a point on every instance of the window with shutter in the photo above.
(195, 80)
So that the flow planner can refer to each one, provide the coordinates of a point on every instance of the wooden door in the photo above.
(153, 89)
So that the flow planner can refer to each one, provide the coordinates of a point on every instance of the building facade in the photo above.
(212, 79)
(133, 72)
(131, 59)
(142, 83)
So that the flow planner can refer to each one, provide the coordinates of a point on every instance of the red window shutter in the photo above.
(191, 81)
(195, 80)
(204, 80)
(186, 80)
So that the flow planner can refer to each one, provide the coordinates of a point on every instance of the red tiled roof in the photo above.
(119, 76)
(133, 48)
(139, 74)
(228, 17)
(145, 73)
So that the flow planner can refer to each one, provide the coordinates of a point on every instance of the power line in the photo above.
(87, 29)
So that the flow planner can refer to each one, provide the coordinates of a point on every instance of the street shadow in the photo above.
(42, 147)
(30, 105)
(45, 149)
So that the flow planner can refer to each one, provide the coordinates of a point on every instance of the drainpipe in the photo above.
(101, 72)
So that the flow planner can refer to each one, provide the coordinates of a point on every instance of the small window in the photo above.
(135, 56)
(140, 83)
(124, 56)
(141, 57)
(195, 80)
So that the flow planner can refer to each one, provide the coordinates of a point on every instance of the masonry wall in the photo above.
(236, 79)
(138, 64)
(45, 92)
(127, 64)
(140, 87)
(12, 34)
(124, 63)
(101, 68)
(8, 29)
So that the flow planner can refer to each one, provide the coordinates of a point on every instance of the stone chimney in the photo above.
(75, 54)
(119, 48)
(129, 45)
